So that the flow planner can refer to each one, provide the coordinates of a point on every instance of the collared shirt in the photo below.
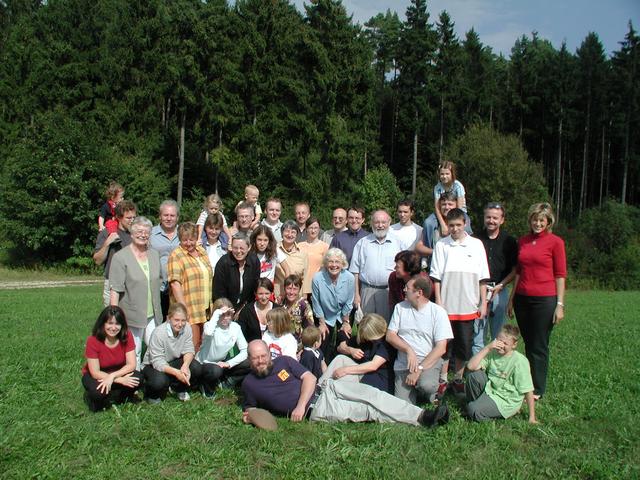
(160, 242)
(332, 301)
(346, 241)
(459, 266)
(275, 229)
(196, 286)
(374, 260)
(289, 262)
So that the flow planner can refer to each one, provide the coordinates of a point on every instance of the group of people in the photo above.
(344, 324)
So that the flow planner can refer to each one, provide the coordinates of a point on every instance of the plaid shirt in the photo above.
(185, 269)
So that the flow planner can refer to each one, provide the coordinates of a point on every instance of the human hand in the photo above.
(339, 373)
(510, 308)
(297, 415)
(558, 315)
(346, 328)
(483, 310)
(412, 378)
(412, 361)
(128, 380)
(112, 238)
(356, 353)
(245, 417)
(104, 384)
(223, 364)
(324, 330)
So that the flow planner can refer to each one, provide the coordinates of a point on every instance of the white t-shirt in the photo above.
(203, 218)
(286, 345)
(407, 235)
(421, 329)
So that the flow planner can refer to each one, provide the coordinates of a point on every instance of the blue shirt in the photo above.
(332, 302)
(164, 246)
(346, 241)
(373, 260)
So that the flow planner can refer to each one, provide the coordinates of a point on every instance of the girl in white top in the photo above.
(264, 245)
(212, 205)
(278, 336)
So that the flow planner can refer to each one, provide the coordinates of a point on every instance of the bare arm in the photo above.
(436, 289)
(178, 292)
(360, 369)
(513, 292)
(100, 256)
(531, 405)
(399, 344)
(422, 249)
(560, 288)
(356, 296)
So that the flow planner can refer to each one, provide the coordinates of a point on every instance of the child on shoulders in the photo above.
(107, 216)
(212, 205)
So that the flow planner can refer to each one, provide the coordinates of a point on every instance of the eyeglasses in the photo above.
(494, 205)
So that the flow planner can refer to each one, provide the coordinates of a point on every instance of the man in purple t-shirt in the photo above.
(285, 387)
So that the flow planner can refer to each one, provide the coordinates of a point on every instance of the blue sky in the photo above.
(500, 22)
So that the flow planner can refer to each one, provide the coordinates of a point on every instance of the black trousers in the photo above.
(212, 375)
(535, 320)
(118, 394)
(157, 383)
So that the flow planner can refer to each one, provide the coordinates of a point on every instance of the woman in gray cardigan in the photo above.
(135, 280)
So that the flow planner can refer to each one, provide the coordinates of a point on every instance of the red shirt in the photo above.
(110, 359)
(541, 259)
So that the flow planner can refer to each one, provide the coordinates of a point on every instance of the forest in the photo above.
(183, 98)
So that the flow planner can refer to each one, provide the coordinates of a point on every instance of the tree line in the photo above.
(199, 96)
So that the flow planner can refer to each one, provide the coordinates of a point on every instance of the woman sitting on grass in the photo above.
(109, 375)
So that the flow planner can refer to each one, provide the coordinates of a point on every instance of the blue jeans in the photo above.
(495, 318)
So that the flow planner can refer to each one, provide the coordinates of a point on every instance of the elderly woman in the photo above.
(407, 265)
(190, 277)
(333, 288)
(135, 279)
(538, 292)
(291, 259)
(237, 273)
(315, 250)
(253, 318)
(109, 375)
(214, 239)
(366, 358)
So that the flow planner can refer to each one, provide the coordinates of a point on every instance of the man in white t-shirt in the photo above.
(419, 330)
(407, 232)
(273, 209)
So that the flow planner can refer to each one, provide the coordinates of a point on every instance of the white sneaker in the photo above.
(184, 396)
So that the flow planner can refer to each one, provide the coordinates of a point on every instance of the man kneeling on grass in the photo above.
(498, 379)
(284, 387)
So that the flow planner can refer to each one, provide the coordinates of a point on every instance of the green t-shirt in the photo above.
(509, 378)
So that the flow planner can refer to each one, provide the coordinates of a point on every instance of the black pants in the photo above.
(535, 320)
(212, 375)
(118, 394)
(157, 383)
(164, 303)
(330, 342)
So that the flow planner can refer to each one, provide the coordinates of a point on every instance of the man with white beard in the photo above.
(372, 263)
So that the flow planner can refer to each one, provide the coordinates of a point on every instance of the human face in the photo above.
(400, 271)
(291, 292)
(140, 236)
(539, 224)
(274, 209)
(380, 223)
(119, 197)
(334, 266)
(168, 218)
(189, 242)
(262, 296)
(339, 219)
(112, 328)
(506, 344)
(127, 219)
(446, 177)
(354, 220)
(313, 231)
(244, 217)
(213, 207)
(262, 242)
(288, 237)
(404, 214)
(213, 233)
(225, 317)
(411, 294)
(302, 214)
(251, 197)
(446, 206)
(260, 359)
(456, 228)
(493, 219)
(177, 321)
(239, 250)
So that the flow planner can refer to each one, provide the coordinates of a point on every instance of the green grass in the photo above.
(589, 417)
(39, 275)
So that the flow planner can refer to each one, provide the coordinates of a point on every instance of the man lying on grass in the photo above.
(286, 388)
(498, 379)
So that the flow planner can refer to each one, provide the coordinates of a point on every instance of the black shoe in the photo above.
(434, 418)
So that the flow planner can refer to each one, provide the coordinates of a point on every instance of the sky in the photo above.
(500, 22)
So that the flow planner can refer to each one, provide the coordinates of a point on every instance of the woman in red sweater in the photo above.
(538, 292)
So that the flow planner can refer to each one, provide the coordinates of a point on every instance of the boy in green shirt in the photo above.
(498, 379)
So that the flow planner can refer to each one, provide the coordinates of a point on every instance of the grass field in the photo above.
(589, 418)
